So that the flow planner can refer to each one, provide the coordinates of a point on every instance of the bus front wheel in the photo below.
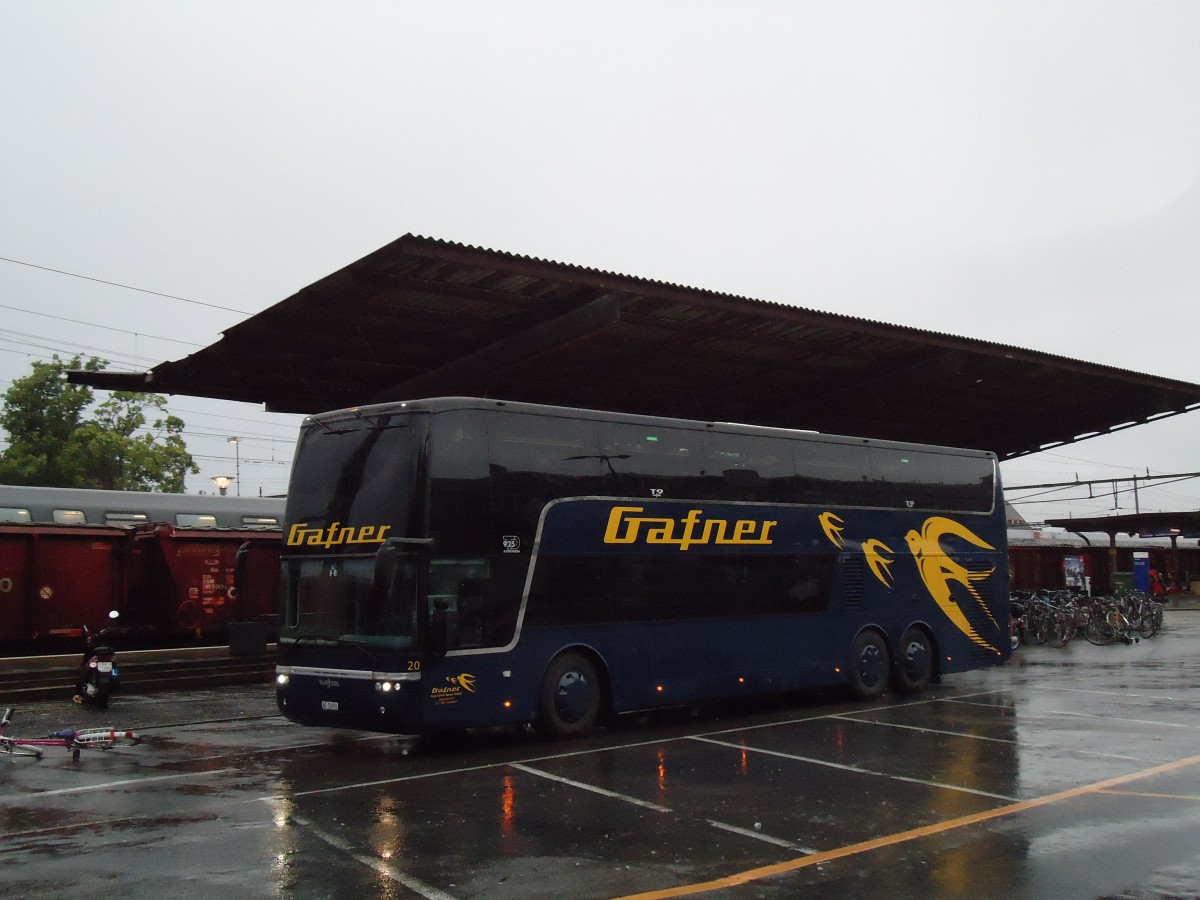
(570, 700)
(870, 665)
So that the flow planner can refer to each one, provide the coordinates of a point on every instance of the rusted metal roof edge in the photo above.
(604, 280)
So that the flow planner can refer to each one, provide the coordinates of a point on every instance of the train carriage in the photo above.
(167, 563)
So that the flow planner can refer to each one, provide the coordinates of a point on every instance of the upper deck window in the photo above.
(652, 460)
(14, 514)
(70, 517)
(357, 471)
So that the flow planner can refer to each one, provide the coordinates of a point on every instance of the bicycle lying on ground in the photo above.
(1110, 625)
(73, 739)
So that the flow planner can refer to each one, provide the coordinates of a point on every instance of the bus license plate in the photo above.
(329, 705)
(105, 667)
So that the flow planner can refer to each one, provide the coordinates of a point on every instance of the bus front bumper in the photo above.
(342, 698)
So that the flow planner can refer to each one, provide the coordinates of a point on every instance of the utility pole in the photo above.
(237, 464)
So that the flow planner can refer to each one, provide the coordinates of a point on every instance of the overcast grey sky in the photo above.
(1020, 172)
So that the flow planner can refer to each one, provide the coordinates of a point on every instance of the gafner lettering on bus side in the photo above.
(336, 535)
(625, 527)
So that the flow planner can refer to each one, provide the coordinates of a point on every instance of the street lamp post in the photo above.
(237, 464)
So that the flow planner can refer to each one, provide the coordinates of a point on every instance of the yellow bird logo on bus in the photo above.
(464, 681)
(833, 527)
(940, 572)
(874, 551)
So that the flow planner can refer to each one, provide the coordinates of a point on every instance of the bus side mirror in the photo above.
(386, 558)
(438, 639)
(391, 551)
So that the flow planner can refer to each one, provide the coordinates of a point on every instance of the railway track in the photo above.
(29, 678)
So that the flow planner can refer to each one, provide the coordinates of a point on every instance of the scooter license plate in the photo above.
(329, 705)
(104, 667)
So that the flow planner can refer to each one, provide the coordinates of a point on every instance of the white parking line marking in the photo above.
(380, 782)
(858, 770)
(109, 785)
(860, 720)
(724, 826)
(384, 868)
(759, 836)
(984, 737)
(589, 787)
(1107, 717)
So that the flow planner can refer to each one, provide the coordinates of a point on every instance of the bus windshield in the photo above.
(352, 488)
(338, 599)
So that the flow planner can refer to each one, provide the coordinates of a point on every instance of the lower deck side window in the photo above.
(592, 589)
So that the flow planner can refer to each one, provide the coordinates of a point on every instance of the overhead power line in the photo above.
(97, 325)
(1077, 483)
(128, 287)
(1138, 482)
(23, 339)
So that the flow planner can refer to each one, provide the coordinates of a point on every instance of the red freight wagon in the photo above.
(184, 578)
(55, 579)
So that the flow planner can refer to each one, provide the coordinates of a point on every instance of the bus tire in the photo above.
(570, 701)
(870, 665)
(913, 669)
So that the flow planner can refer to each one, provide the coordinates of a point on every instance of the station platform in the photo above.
(45, 677)
(1181, 601)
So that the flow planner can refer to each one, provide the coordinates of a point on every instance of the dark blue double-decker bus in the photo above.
(456, 563)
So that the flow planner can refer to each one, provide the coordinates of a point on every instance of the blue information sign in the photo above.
(1141, 572)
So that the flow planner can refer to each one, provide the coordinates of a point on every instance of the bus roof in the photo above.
(443, 404)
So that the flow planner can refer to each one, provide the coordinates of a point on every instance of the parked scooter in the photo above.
(99, 675)
(1018, 625)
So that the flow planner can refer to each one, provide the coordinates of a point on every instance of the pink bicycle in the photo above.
(73, 739)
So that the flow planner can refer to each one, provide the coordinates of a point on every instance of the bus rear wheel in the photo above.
(914, 663)
(570, 701)
(870, 665)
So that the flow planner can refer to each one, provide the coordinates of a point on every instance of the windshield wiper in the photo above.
(309, 637)
(328, 640)
(357, 645)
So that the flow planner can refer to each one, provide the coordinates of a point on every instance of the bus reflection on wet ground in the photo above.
(1066, 773)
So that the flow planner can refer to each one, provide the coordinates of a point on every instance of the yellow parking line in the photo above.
(1191, 797)
(816, 859)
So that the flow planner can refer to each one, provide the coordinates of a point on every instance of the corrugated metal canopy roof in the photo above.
(1148, 524)
(422, 317)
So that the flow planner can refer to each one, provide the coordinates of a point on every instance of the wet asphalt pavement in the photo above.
(1068, 773)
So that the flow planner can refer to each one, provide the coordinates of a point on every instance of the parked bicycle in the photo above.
(1047, 617)
(1109, 624)
(74, 739)
(1145, 614)
(1055, 617)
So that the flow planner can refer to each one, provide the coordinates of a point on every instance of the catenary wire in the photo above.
(136, 334)
(127, 287)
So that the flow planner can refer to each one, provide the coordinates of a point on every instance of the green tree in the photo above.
(58, 436)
